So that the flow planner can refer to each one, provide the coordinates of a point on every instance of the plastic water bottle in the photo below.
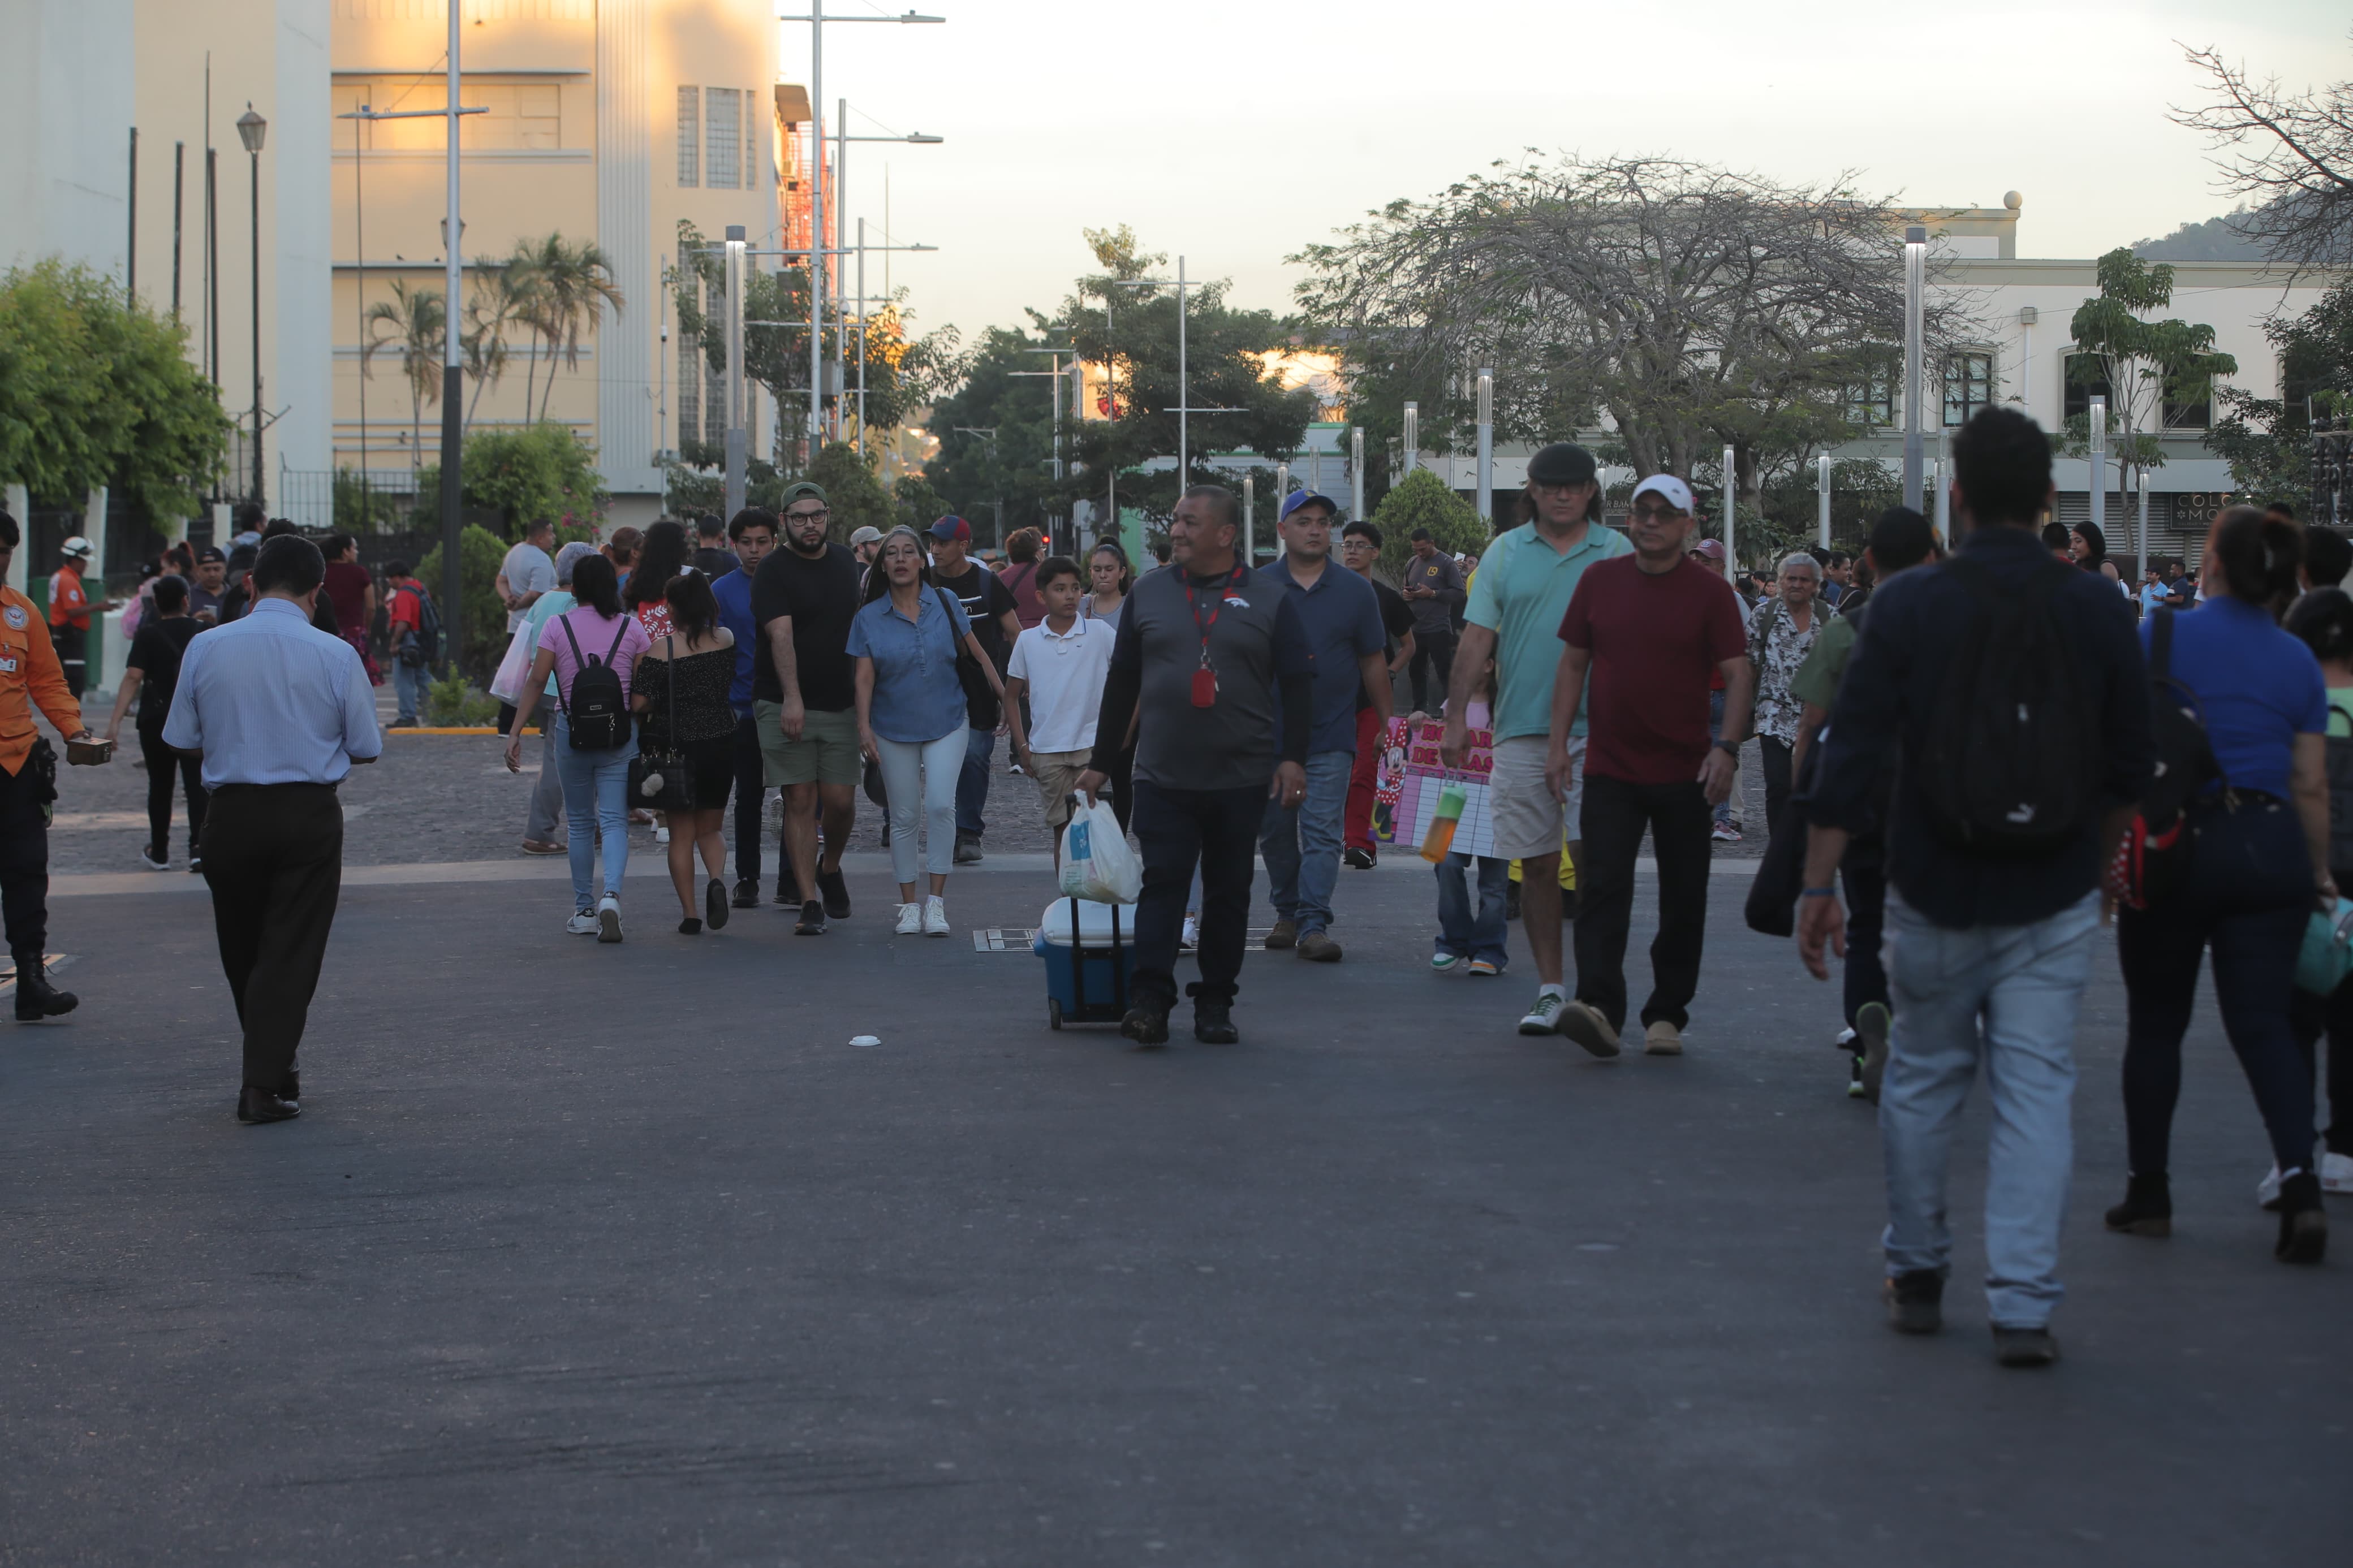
(1441, 837)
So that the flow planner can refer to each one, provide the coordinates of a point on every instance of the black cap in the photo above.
(1562, 463)
(210, 553)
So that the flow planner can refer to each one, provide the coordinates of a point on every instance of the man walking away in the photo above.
(2011, 688)
(1342, 618)
(1649, 629)
(804, 703)
(1900, 541)
(279, 713)
(1360, 548)
(1201, 654)
(712, 556)
(29, 677)
(753, 532)
(1433, 586)
(70, 607)
(988, 606)
(1525, 581)
(415, 635)
(150, 674)
(1059, 666)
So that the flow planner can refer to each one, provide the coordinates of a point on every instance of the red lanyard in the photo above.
(1205, 678)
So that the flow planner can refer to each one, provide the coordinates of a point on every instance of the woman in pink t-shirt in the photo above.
(596, 630)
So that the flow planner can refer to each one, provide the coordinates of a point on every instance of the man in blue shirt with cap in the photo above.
(1342, 617)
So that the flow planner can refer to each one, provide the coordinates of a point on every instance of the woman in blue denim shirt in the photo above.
(910, 714)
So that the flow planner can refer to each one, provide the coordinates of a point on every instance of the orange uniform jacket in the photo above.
(29, 674)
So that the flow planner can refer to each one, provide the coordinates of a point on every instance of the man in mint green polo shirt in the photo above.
(1518, 601)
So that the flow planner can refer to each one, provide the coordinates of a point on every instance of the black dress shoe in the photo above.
(259, 1105)
(747, 893)
(834, 889)
(37, 999)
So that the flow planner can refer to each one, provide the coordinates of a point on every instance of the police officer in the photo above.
(28, 775)
(70, 607)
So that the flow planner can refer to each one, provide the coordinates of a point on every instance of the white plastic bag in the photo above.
(507, 684)
(1097, 863)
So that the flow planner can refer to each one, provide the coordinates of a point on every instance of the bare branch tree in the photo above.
(1688, 307)
(2289, 157)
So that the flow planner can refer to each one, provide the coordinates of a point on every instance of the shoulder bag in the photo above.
(660, 779)
(978, 696)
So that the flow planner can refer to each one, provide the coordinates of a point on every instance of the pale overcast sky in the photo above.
(1236, 130)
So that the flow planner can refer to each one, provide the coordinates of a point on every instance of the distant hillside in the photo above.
(2216, 239)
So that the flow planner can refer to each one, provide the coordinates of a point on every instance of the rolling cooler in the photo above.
(1090, 954)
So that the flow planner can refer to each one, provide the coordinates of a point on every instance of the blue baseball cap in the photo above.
(1298, 498)
(951, 527)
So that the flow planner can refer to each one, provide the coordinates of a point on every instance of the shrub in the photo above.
(452, 701)
(481, 552)
(1424, 501)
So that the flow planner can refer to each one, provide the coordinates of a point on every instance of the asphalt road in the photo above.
(595, 1255)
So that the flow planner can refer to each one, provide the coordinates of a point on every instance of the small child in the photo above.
(1465, 932)
(1059, 665)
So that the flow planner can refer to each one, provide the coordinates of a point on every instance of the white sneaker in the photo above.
(582, 923)
(147, 860)
(608, 919)
(911, 921)
(661, 833)
(1725, 833)
(1191, 936)
(2337, 1173)
(935, 916)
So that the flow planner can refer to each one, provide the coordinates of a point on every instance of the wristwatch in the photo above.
(1730, 749)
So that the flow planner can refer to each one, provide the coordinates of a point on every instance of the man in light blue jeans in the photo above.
(2006, 995)
(1301, 846)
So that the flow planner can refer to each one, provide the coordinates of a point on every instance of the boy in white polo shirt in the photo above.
(1059, 665)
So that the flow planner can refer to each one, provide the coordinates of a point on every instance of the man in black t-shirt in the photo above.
(988, 606)
(151, 673)
(1360, 546)
(712, 556)
(804, 699)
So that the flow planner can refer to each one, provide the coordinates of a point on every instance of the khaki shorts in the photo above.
(826, 752)
(1528, 821)
(1056, 773)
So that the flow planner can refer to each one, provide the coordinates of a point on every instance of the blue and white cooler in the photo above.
(1090, 954)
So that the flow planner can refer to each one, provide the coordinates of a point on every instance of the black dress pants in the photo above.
(163, 762)
(2312, 1016)
(24, 864)
(274, 861)
(1431, 650)
(1175, 829)
(1775, 756)
(72, 643)
(1678, 819)
(1865, 876)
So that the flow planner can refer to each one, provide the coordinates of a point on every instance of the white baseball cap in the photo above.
(76, 546)
(1667, 485)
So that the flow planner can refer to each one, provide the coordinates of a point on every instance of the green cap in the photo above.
(802, 491)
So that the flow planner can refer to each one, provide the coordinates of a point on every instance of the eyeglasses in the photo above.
(1557, 492)
(805, 516)
(1656, 513)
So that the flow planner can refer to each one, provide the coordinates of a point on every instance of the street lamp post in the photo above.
(841, 140)
(738, 437)
(250, 129)
(1356, 471)
(1412, 440)
(2099, 423)
(2142, 573)
(1822, 497)
(1731, 488)
(1250, 519)
(1184, 408)
(453, 364)
(1487, 447)
(1915, 265)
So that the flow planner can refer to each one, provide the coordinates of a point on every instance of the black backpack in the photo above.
(421, 649)
(2012, 765)
(598, 712)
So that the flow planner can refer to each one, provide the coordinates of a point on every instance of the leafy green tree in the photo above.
(411, 324)
(997, 436)
(480, 553)
(915, 503)
(2267, 441)
(854, 497)
(95, 392)
(540, 471)
(1422, 501)
(2144, 364)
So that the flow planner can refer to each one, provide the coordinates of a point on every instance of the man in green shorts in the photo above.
(803, 699)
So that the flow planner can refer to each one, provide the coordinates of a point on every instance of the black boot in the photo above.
(2304, 1225)
(35, 998)
(2148, 1209)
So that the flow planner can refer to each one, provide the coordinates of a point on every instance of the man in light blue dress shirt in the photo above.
(279, 713)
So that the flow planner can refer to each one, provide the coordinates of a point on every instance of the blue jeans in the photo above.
(1465, 932)
(595, 795)
(2023, 984)
(972, 783)
(1715, 734)
(1302, 845)
(407, 684)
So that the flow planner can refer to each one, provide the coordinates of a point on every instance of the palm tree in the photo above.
(414, 323)
(521, 280)
(501, 299)
(574, 283)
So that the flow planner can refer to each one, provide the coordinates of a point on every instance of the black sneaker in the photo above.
(834, 889)
(2304, 1226)
(1854, 1076)
(747, 893)
(715, 904)
(1148, 1026)
(1872, 1025)
(967, 850)
(1359, 859)
(1916, 1301)
(1511, 901)
(787, 894)
(812, 921)
(2024, 1347)
(1213, 1024)
(37, 998)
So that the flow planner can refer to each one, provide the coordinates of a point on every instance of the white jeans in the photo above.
(926, 772)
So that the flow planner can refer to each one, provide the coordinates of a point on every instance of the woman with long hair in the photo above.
(696, 657)
(596, 784)
(910, 714)
(668, 550)
(2258, 866)
(1110, 578)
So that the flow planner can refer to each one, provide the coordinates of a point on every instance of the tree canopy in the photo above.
(2288, 155)
(2267, 440)
(97, 392)
(2144, 364)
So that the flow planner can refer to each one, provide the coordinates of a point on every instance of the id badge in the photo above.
(1205, 686)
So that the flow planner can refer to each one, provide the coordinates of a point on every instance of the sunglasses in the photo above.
(1656, 513)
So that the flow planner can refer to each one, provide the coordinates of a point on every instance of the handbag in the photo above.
(979, 697)
(660, 778)
(2152, 857)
